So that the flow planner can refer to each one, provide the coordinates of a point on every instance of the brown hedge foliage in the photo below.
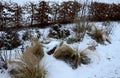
(115, 11)
(104, 12)
(68, 11)
(42, 12)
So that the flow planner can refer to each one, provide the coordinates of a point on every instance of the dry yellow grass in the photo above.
(84, 58)
(68, 55)
(29, 65)
(100, 35)
(64, 50)
(36, 48)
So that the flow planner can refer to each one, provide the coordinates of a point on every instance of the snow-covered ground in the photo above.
(105, 60)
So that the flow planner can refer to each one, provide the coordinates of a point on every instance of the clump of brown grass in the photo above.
(92, 47)
(36, 48)
(78, 29)
(91, 27)
(84, 57)
(68, 55)
(29, 65)
(99, 35)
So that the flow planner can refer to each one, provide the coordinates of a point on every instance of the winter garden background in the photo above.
(59, 38)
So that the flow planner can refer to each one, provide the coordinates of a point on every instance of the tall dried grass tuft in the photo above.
(29, 65)
(36, 48)
(84, 57)
(68, 55)
(99, 35)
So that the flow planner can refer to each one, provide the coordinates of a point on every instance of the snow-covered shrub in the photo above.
(26, 35)
(10, 40)
(56, 31)
(38, 33)
(68, 55)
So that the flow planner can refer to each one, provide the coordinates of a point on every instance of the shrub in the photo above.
(10, 40)
(26, 36)
(57, 32)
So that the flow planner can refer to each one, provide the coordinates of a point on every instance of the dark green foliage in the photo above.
(57, 32)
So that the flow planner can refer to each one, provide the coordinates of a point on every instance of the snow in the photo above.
(4, 75)
(57, 68)
(105, 60)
